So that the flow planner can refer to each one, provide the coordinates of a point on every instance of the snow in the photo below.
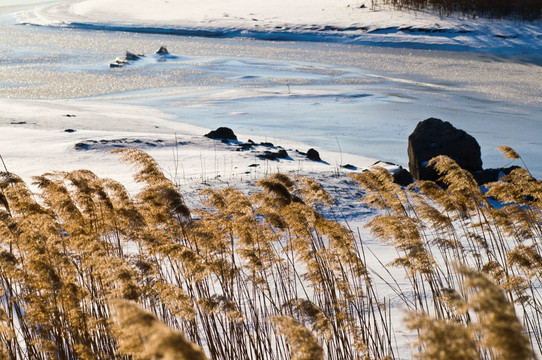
(182, 151)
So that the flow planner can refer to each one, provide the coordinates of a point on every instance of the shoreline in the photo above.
(381, 26)
(64, 125)
(341, 37)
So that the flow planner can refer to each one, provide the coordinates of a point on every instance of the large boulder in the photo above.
(222, 133)
(433, 137)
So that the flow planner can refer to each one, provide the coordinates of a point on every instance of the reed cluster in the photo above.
(472, 258)
(524, 9)
(89, 271)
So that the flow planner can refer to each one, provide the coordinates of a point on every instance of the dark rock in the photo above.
(245, 146)
(485, 176)
(349, 167)
(69, 130)
(269, 155)
(82, 146)
(313, 155)
(377, 163)
(267, 144)
(222, 133)
(433, 137)
(282, 154)
(162, 51)
(70, 115)
(402, 177)
(129, 56)
(254, 165)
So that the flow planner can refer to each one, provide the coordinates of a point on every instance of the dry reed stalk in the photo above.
(380, 191)
(502, 331)
(310, 313)
(144, 336)
(303, 344)
(443, 339)
(508, 152)
(512, 155)
(460, 183)
(160, 199)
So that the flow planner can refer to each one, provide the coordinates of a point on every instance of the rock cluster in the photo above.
(129, 57)
(126, 59)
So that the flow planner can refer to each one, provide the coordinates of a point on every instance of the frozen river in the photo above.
(357, 99)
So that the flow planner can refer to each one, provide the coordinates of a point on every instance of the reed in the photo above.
(90, 271)
(523, 9)
(440, 231)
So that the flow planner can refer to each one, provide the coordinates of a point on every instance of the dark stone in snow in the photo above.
(313, 155)
(222, 133)
(82, 146)
(402, 177)
(162, 51)
(69, 130)
(120, 62)
(245, 146)
(282, 154)
(433, 137)
(131, 56)
(268, 155)
(490, 175)
(378, 162)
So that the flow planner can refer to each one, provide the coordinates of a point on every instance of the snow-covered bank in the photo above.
(352, 22)
(41, 136)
